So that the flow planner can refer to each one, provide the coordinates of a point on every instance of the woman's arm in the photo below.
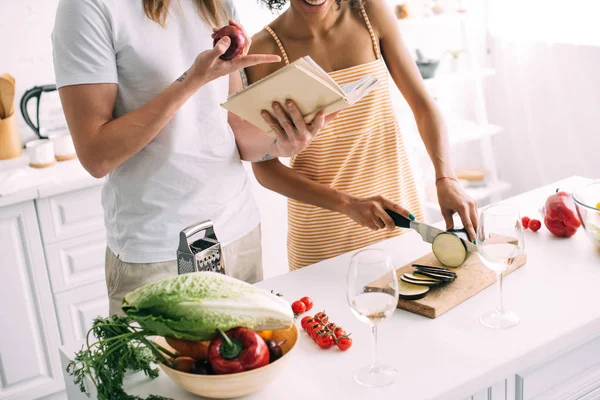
(429, 120)
(273, 175)
(103, 143)
(368, 212)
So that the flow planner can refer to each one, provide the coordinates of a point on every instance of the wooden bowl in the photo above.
(234, 385)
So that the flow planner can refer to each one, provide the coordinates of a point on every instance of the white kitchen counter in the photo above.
(452, 357)
(60, 178)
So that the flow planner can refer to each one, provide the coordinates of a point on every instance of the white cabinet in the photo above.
(29, 338)
(70, 214)
(77, 308)
(572, 375)
(77, 262)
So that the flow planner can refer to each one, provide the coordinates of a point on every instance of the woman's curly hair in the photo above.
(279, 4)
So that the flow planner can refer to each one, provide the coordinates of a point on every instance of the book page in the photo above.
(362, 89)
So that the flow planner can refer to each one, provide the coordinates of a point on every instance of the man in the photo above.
(141, 86)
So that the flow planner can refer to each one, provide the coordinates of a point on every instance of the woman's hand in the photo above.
(453, 199)
(208, 66)
(370, 212)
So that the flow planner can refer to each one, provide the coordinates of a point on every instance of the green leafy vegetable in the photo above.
(194, 306)
(120, 347)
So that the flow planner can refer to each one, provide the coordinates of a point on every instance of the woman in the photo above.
(141, 85)
(358, 166)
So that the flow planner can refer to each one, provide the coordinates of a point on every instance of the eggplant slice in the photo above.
(433, 271)
(444, 278)
(449, 249)
(421, 278)
(431, 267)
(410, 291)
(420, 282)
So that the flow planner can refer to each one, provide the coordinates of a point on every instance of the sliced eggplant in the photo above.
(410, 291)
(435, 271)
(449, 249)
(442, 269)
(444, 278)
(421, 278)
(420, 282)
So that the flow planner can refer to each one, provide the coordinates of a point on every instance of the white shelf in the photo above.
(445, 78)
(479, 193)
(462, 131)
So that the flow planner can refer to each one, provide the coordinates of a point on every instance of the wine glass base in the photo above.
(376, 376)
(499, 320)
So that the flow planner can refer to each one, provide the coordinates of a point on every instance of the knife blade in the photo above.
(428, 232)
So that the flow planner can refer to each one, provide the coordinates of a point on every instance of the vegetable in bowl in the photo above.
(191, 307)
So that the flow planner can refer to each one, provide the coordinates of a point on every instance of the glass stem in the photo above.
(499, 299)
(374, 337)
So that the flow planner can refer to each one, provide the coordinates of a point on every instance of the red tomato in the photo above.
(525, 222)
(535, 225)
(305, 321)
(344, 343)
(313, 326)
(316, 332)
(321, 317)
(331, 326)
(307, 302)
(298, 307)
(325, 341)
(339, 332)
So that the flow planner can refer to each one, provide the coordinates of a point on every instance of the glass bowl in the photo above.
(587, 200)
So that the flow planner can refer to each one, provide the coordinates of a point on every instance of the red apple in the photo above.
(238, 41)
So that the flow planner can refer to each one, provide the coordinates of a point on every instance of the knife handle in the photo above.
(399, 220)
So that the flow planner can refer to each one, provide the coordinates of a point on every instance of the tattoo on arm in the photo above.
(244, 78)
(182, 77)
(267, 157)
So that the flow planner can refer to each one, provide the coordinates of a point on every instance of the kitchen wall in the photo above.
(560, 125)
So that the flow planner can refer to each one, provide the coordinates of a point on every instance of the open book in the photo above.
(302, 81)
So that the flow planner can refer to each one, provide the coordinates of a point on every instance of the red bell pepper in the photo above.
(560, 215)
(237, 350)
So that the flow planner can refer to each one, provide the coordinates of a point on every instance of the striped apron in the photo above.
(360, 153)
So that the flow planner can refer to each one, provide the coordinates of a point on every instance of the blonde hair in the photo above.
(212, 11)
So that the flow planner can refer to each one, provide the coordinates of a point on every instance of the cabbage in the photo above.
(193, 306)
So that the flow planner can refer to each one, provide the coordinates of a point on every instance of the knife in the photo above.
(428, 232)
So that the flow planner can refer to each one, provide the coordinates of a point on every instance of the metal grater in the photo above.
(199, 249)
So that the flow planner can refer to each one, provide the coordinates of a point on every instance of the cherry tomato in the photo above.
(305, 321)
(535, 225)
(316, 332)
(321, 317)
(525, 222)
(339, 332)
(325, 341)
(331, 326)
(307, 302)
(312, 326)
(298, 307)
(344, 343)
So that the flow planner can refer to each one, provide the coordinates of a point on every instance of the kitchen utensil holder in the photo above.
(10, 143)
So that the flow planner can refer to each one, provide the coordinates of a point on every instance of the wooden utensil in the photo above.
(472, 278)
(7, 95)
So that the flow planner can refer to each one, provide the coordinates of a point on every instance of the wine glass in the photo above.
(499, 242)
(373, 296)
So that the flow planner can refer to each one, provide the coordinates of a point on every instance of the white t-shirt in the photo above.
(191, 171)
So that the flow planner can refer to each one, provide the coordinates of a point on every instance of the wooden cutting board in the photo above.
(472, 278)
